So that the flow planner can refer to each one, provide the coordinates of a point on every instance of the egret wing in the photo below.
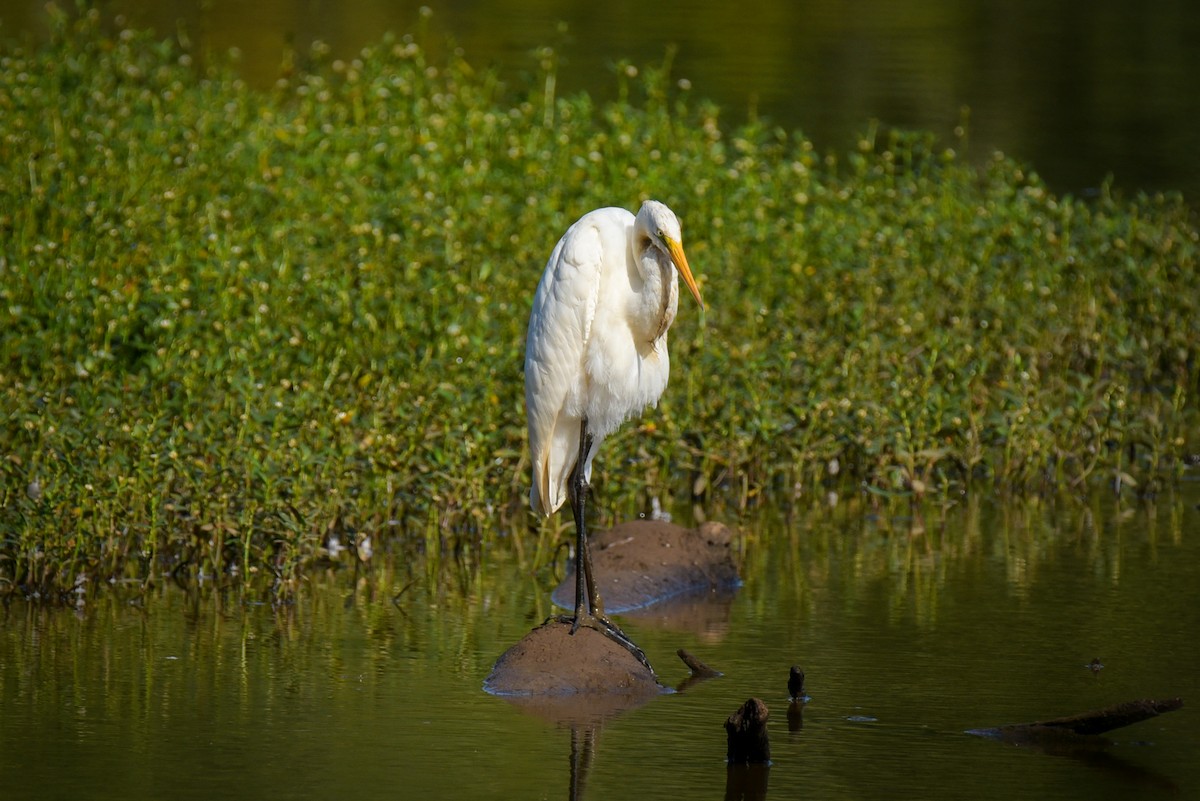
(564, 309)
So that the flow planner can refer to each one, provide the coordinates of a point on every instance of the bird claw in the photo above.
(609, 629)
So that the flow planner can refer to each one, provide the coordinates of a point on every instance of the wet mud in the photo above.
(551, 661)
(640, 566)
(647, 563)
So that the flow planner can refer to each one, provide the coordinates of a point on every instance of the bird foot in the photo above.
(609, 629)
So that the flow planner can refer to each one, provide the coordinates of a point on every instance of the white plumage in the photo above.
(597, 343)
(596, 353)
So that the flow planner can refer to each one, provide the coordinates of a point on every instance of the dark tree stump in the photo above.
(746, 734)
(796, 683)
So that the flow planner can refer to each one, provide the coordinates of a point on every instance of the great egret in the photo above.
(595, 355)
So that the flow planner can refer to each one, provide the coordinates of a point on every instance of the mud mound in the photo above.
(640, 564)
(644, 562)
(550, 661)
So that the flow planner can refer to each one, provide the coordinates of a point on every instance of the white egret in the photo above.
(595, 355)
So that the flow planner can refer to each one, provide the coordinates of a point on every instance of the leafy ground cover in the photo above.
(239, 328)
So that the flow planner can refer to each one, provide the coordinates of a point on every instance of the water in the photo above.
(908, 639)
(1080, 89)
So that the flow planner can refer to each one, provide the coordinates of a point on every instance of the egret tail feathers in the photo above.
(540, 498)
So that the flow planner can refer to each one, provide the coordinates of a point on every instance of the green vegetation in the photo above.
(235, 323)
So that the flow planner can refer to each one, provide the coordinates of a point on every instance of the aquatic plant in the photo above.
(242, 331)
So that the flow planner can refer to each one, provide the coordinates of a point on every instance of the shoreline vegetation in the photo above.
(243, 329)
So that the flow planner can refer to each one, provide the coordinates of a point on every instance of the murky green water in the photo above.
(1079, 89)
(907, 639)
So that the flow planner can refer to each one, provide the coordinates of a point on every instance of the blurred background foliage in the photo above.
(1081, 90)
(244, 328)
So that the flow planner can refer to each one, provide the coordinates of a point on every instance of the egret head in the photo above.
(660, 225)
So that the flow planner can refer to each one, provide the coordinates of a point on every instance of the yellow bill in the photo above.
(676, 250)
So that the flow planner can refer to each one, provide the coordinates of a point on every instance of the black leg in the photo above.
(583, 561)
(594, 604)
(589, 609)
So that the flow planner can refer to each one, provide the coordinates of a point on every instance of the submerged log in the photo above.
(697, 671)
(746, 734)
(698, 668)
(1085, 724)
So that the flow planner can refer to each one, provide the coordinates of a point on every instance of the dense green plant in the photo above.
(235, 324)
